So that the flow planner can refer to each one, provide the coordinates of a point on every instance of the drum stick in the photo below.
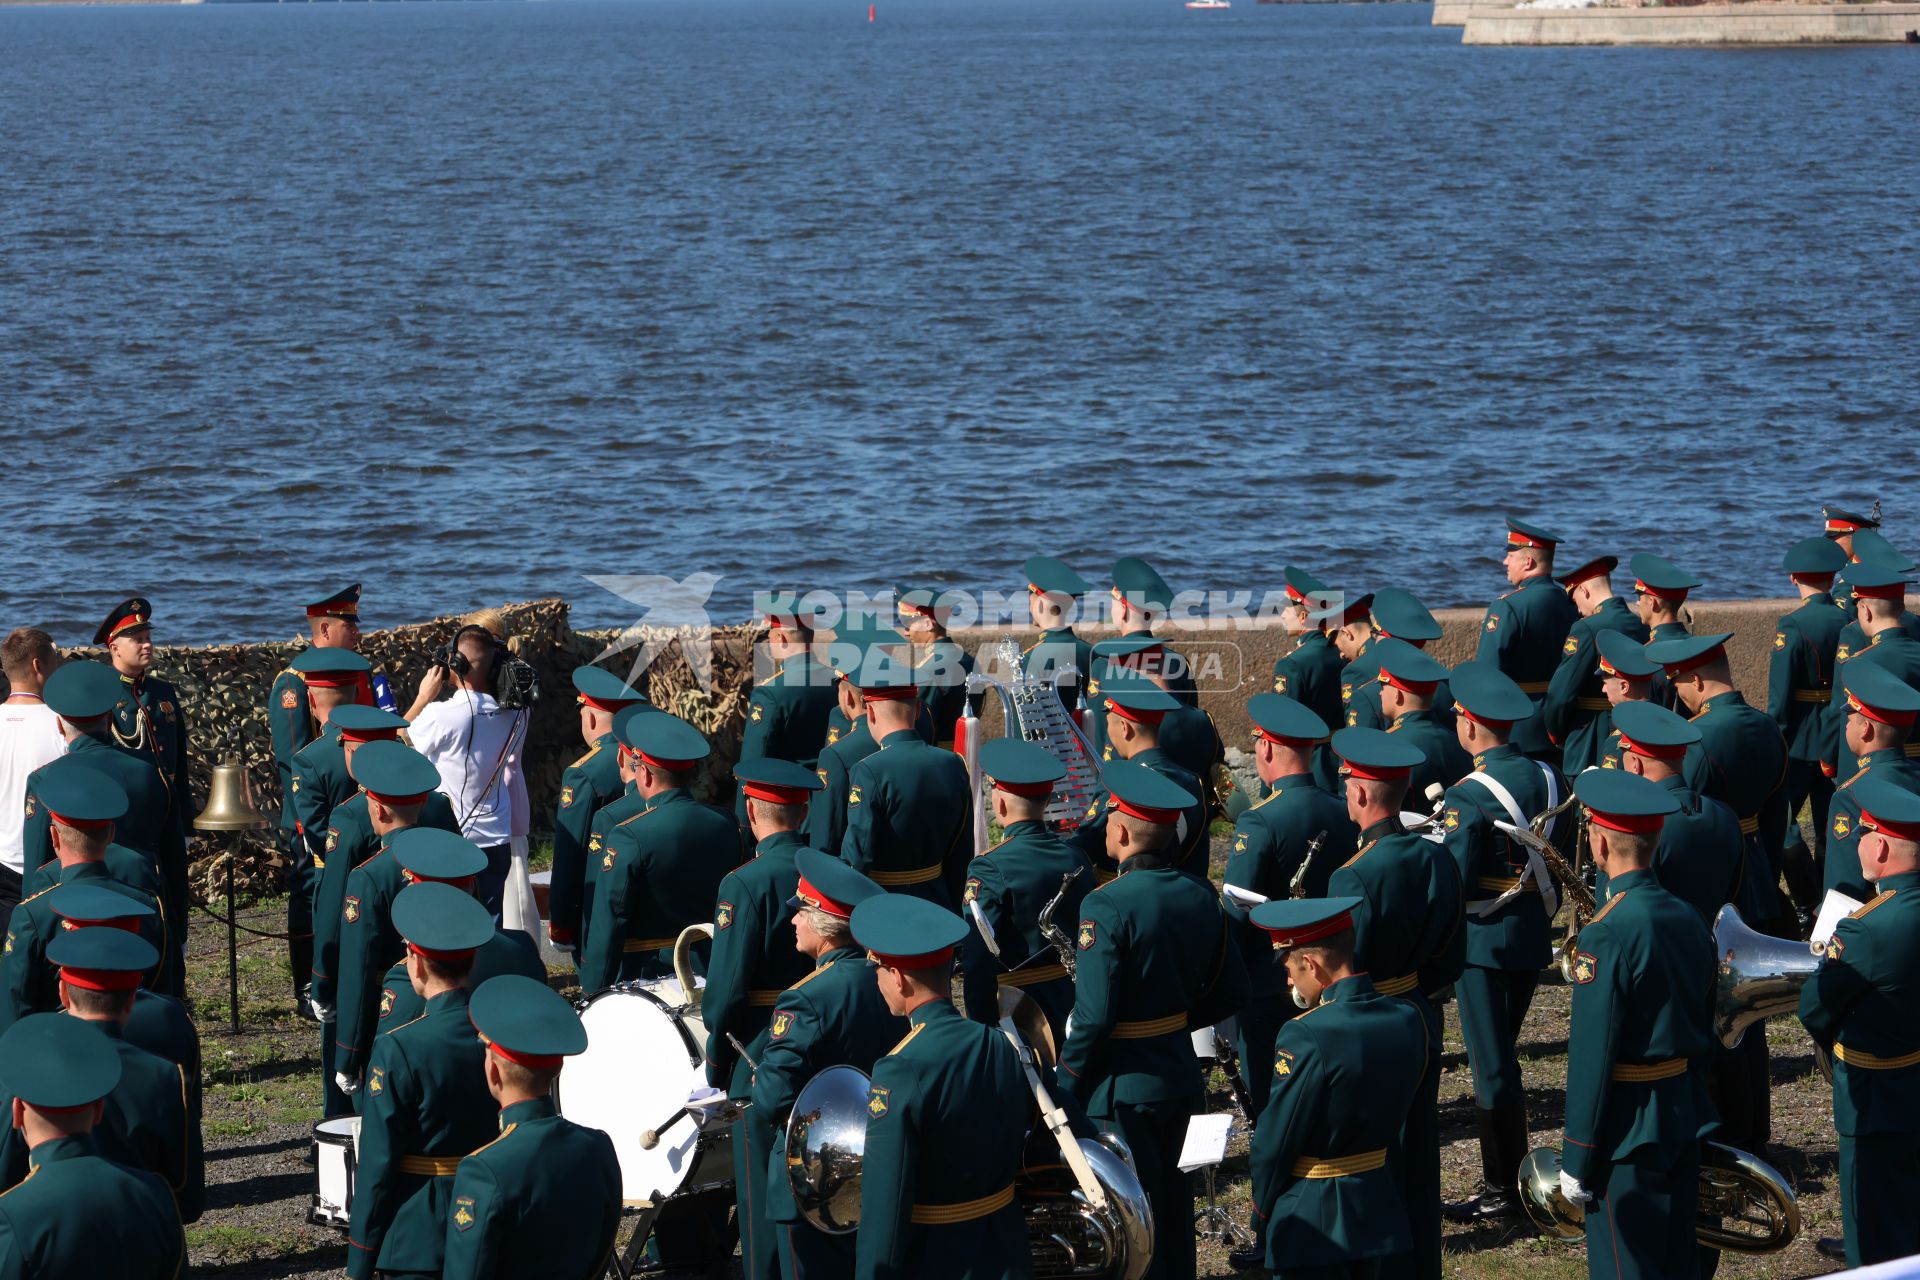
(741, 1049)
(650, 1138)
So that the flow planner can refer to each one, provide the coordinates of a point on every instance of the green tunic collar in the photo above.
(1905, 880)
(1024, 827)
(932, 1010)
(1504, 751)
(528, 1111)
(897, 737)
(780, 840)
(73, 1147)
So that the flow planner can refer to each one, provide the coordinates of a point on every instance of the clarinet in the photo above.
(1299, 880)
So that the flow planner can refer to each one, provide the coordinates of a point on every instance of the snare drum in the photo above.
(645, 1055)
(336, 1147)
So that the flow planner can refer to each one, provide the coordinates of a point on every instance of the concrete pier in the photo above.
(1709, 24)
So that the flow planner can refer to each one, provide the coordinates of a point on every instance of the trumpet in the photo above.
(1743, 1205)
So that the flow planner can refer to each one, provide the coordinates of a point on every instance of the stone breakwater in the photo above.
(1707, 24)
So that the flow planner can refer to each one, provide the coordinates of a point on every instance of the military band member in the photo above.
(940, 665)
(1879, 600)
(1134, 710)
(1661, 588)
(332, 623)
(1642, 1005)
(1344, 1074)
(1353, 639)
(1398, 615)
(1627, 674)
(319, 781)
(1862, 1006)
(849, 745)
(370, 940)
(59, 1073)
(1511, 897)
(1525, 631)
(936, 1191)
(508, 953)
(1053, 604)
(1402, 698)
(1185, 733)
(1155, 961)
(1406, 930)
(588, 785)
(1740, 759)
(754, 960)
(1310, 674)
(1142, 597)
(543, 1198)
(1270, 844)
(1010, 884)
(1574, 696)
(150, 718)
(788, 710)
(1869, 548)
(147, 1124)
(1698, 857)
(1842, 527)
(659, 871)
(630, 803)
(83, 694)
(83, 897)
(427, 1102)
(1799, 687)
(1881, 710)
(909, 805)
(833, 1016)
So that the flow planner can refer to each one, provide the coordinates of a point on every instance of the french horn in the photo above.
(1760, 976)
(1743, 1205)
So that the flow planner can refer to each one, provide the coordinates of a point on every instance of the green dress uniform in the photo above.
(910, 818)
(659, 873)
(755, 958)
(425, 1103)
(150, 718)
(1506, 918)
(1699, 858)
(507, 953)
(1642, 1007)
(587, 786)
(945, 1124)
(1344, 1075)
(1525, 633)
(370, 941)
(787, 716)
(1270, 844)
(1008, 886)
(143, 828)
(29, 982)
(1407, 937)
(52, 1224)
(1799, 686)
(1843, 830)
(1573, 699)
(833, 1016)
(1889, 650)
(1155, 961)
(147, 1124)
(1059, 650)
(1862, 1006)
(827, 814)
(1192, 844)
(543, 1198)
(942, 671)
(161, 1025)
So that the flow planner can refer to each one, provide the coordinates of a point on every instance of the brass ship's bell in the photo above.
(230, 804)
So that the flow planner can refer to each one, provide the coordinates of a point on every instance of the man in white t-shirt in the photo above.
(475, 744)
(29, 737)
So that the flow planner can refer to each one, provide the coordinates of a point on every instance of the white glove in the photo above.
(324, 1012)
(1570, 1188)
(347, 1084)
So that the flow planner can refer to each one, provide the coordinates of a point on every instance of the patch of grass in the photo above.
(228, 1243)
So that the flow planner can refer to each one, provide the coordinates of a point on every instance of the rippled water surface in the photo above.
(471, 300)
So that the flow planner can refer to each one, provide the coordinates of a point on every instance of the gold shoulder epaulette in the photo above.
(811, 976)
(1871, 903)
(906, 1039)
(1850, 781)
(590, 755)
(1271, 795)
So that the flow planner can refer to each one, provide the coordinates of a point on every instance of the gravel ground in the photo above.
(262, 1101)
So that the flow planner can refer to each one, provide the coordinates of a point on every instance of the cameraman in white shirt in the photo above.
(475, 744)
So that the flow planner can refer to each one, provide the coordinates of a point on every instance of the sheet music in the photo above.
(1206, 1142)
(1837, 907)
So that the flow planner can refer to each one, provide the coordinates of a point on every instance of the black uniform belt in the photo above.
(1033, 977)
(1592, 704)
(1873, 1061)
(1150, 1028)
(1395, 986)
(762, 999)
(646, 944)
(1533, 686)
(919, 875)
(1339, 1166)
(1748, 826)
(1813, 695)
(934, 1215)
(1643, 1072)
(431, 1166)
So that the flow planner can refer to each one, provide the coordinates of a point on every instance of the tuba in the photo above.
(1744, 1205)
(1760, 976)
(826, 1145)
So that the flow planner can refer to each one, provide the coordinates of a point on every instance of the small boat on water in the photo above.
(1209, 4)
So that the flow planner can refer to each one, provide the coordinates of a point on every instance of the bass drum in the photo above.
(644, 1059)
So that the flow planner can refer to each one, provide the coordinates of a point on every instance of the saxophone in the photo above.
(1055, 936)
(1296, 886)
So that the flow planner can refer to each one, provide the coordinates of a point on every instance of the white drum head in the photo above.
(635, 1076)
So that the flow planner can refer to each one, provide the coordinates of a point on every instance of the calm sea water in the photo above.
(469, 301)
